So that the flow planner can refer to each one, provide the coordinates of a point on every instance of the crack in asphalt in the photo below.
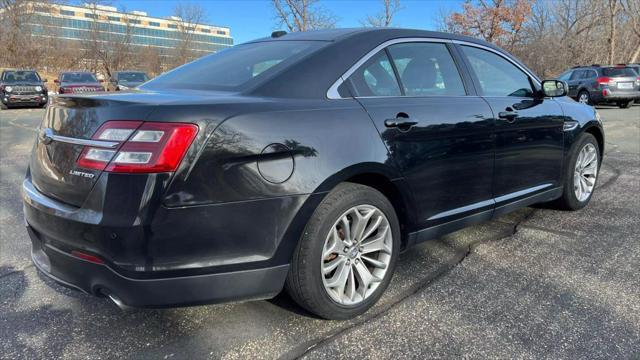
(15, 272)
(309, 346)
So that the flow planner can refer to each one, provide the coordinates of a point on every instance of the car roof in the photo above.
(341, 34)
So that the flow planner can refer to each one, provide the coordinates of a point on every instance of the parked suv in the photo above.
(78, 82)
(305, 161)
(597, 84)
(22, 88)
(125, 80)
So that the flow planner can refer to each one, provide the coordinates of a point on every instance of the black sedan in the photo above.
(305, 161)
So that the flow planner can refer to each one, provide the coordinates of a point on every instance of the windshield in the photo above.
(234, 68)
(20, 76)
(619, 72)
(78, 78)
(136, 77)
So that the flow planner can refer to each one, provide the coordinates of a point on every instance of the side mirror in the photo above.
(554, 88)
(56, 81)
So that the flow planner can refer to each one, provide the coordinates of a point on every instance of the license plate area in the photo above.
(625, 85)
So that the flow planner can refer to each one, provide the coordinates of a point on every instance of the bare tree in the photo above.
(303, 15)
(19, 23)
(632, 9)
(613, 7)
(384, 18)
(186, 17)
(105, 51)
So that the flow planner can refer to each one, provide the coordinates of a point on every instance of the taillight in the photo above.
(604, 80)
(144, 147)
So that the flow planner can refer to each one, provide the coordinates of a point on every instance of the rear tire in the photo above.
(625, 104)
(310, 282)
(3, 106)
(579, 166)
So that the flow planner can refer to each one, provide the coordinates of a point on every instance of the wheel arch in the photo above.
(598, 134)
(387, 180)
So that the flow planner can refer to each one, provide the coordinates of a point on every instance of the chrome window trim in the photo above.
(333, 94)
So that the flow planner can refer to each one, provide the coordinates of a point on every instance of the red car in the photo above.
(78, 82)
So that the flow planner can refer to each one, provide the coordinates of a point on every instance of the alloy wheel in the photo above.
(585, 172)
(356, 254)
(583, 98)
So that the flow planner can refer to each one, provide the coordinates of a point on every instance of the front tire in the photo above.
(625, 104)
(584, 98)
(347, 254)
(581, 174)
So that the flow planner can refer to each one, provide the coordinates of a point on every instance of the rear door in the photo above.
(437, 132)
(529, 128)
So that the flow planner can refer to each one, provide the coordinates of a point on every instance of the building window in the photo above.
(113, 18)
(205, 31)
(134, 21)
(153, 23)
(67, 12)
(90, 15)
(173, 26)
(220, 32)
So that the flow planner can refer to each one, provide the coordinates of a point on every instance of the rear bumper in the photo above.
(615, 96)
(101, 280)
(177, 260)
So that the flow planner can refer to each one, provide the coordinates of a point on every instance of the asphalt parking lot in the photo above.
(536, 283)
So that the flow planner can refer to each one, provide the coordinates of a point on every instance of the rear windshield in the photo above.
(619, 72)
(20, 76)
(132, 77)
(235, 68)
(78, 78)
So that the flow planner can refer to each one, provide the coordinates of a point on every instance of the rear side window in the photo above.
(234, 68)
(618, 72)
(590, 74)
(375, 77)
(497, 75)
(426, 69)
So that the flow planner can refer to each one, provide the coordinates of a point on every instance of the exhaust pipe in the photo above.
(116, 300)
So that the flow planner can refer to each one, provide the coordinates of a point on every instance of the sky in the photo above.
(251, 19)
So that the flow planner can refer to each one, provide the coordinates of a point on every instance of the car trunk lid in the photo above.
(68, 126)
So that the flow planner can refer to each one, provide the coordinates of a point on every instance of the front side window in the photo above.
(578, 74)
(497, 76)
(375, 77)
(234, 68)
(426, 69)
(566, 76)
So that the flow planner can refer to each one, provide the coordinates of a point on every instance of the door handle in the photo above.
(510, 116)
(401, 122)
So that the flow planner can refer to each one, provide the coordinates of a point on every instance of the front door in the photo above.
(529, 128)
(438, 135)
